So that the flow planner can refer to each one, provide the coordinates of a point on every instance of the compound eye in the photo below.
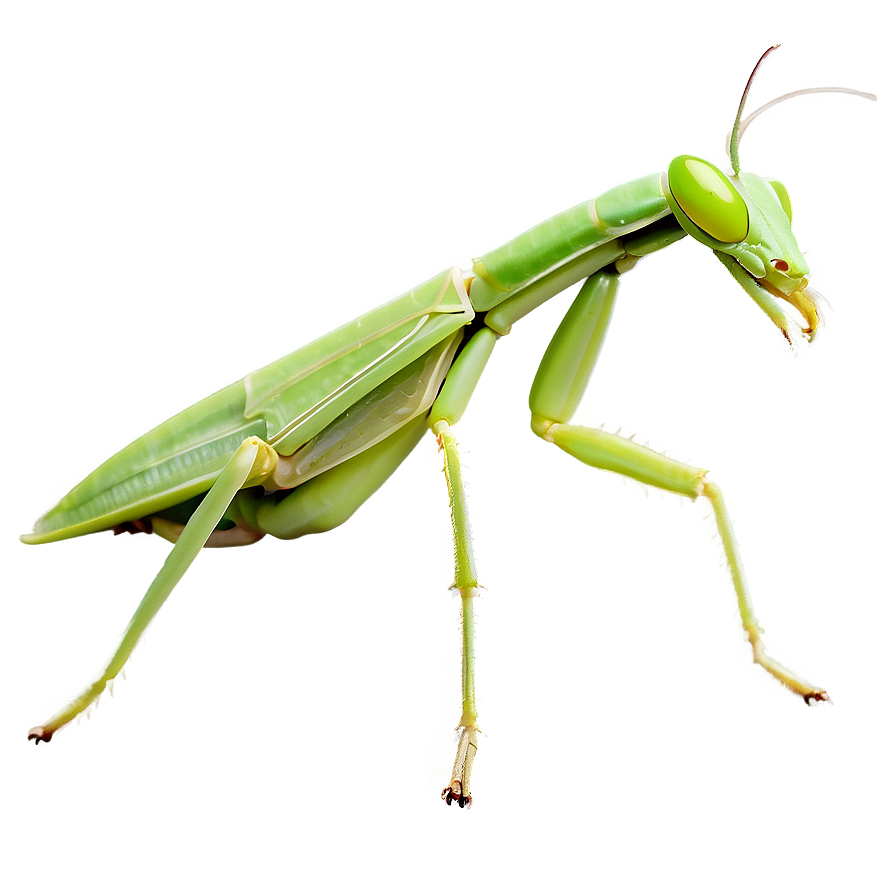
(783, 197)
(709, 199)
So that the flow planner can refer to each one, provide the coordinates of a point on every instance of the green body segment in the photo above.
(285, 404)
(560, 240)
(329, 499)
(179, 459)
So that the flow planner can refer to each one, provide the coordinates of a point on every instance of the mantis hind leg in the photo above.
(558, 386)
(252, 462)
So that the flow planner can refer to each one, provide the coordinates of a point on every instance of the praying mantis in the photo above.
(296, 447)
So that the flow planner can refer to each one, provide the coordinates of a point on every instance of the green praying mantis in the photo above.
(298, 446)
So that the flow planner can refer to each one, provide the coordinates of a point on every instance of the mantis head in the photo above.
(746, 220)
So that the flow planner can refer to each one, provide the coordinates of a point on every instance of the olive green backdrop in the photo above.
(190, 189)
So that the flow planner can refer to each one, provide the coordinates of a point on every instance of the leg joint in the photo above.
(467, 588)
(709, 489)
(542, 427)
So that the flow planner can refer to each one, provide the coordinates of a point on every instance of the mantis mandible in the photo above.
(298, 446)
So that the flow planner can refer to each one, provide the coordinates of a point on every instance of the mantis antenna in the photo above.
(735, 129)
(740, 126)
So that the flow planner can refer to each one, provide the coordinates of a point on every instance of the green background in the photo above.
(192, 189)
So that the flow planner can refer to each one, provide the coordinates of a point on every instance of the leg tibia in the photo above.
(611, 452)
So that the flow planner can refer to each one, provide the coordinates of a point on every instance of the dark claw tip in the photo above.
(449, 794)
(817, 697)
(38, 734)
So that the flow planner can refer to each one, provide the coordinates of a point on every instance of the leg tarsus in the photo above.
(808, 691)
(459, 789)
(788, 679)
(39, 735)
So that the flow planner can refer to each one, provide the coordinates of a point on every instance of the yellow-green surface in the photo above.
(190, 189)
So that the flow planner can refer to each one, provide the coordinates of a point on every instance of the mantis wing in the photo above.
(286, 404)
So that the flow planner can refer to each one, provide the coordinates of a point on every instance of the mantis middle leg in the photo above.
(556, 391)
(446, 411)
